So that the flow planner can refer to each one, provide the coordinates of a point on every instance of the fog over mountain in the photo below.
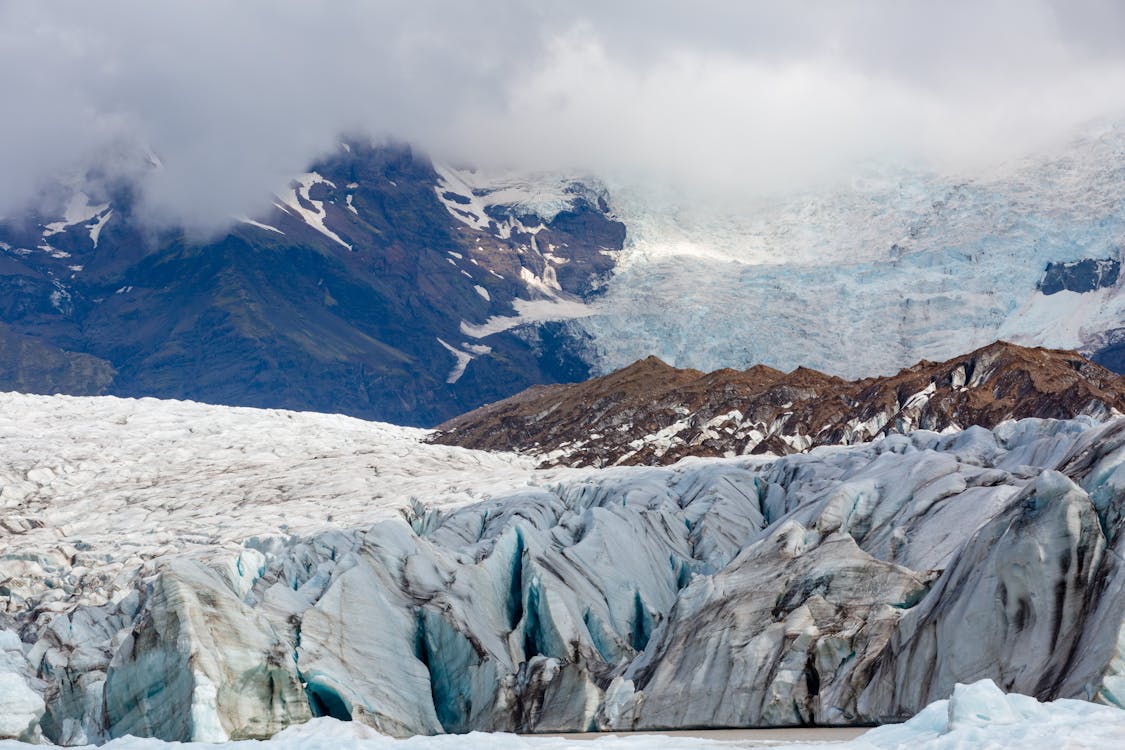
(717, 98)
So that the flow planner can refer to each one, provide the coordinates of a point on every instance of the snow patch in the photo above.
(462, 361)
(1066, 319)
(96, 227)
(463, 357)
(468, 194)
(79, 210)
(529, 311)
(315, 217)
(260, 225)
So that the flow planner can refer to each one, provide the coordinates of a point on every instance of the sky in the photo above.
(739, 98)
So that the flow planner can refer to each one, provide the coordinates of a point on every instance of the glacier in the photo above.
(976, 715)
(869, 277)
(199, 573)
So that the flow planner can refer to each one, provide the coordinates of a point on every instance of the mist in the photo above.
(209, 107)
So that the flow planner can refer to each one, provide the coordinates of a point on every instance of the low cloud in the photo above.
(738, 98)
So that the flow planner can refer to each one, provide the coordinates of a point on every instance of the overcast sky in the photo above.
(236, 97)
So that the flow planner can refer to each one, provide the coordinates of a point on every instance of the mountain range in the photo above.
(385, 285)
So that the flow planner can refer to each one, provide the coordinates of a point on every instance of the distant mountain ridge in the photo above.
(386, 286)
(652, 413)
(357, 293)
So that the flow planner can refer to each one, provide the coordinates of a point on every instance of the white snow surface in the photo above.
(96, 227)
(96, 487)
(260, 225)
(870, 277)
(461, 361)
(79, 210)
(529, 311)
(539, 197)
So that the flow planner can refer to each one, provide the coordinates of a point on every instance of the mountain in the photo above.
(386, 286)
(366, 291)
(167, 572)
(651, 413)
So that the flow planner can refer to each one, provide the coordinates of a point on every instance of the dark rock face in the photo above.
(349, 297)
(652, 413)
(1108, 350)
(30, 365)
(1112, 357)
(1080, 276)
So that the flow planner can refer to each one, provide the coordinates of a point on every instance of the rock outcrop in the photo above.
(651, 413)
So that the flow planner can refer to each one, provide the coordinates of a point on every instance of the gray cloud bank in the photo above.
(236, 97)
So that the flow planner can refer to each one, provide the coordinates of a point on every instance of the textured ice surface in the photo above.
(170, 570)
(895, 268)
(976, 716)
(92, 487)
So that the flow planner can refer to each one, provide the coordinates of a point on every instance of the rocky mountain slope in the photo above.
(366, 290)
(385, 286)
(849, 585)
(651, 413)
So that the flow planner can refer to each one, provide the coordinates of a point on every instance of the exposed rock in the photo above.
(351, 295)
(651, 413)
(1080, 276)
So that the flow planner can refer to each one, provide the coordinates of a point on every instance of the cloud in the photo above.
(736, 97)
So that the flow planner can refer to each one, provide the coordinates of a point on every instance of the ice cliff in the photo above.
(872, 276)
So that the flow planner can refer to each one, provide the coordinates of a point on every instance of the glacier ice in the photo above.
(154, 591)
(21, 707)
(870, 277)
(975, 715)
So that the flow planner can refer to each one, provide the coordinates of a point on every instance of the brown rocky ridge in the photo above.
(651, 413)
